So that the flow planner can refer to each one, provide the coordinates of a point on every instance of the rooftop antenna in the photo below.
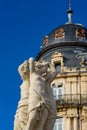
(70, 12)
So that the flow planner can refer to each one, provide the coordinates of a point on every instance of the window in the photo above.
(58, 124)
(58, 67)
(57, 59)
(57, 92)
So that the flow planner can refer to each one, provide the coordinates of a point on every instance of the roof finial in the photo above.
(70, 12)
(69, 4)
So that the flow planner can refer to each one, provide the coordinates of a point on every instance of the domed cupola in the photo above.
(67, 33)
(69, 41)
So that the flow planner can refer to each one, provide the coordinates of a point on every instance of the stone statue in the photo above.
(36, 108)
(39, 104)
(42, 107)
(50, 76)
(21, 116)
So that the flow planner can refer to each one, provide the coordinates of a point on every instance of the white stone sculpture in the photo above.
(42, 107)
(21, 116)
(39, 104)
(36, 108)
(50, 76)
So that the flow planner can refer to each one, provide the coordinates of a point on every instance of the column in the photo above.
(65, 123)
(69, 125)
(75, 123)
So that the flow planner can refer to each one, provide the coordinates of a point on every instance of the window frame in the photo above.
(59, 121)
(57, 91)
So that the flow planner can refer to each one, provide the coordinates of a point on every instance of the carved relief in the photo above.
(81, 33)
(83, 62)
(62, 113)
(45, 40)
(72, 112)
(59, 33)
(84, 118)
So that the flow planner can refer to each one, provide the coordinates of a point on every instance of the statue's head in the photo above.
(41, 67)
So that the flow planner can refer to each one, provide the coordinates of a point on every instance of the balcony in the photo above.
(71, 100)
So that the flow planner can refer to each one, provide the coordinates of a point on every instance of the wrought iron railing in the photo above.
(71, 99)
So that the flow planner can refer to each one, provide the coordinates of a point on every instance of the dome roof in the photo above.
(68, 32)
(70, 40)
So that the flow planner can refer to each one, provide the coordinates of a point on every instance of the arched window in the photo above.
(58, 124)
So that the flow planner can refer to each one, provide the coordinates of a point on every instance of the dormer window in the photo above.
(57, 60)
(81, 33)
(59, 33)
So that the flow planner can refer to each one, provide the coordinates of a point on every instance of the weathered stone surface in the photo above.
(36, 108)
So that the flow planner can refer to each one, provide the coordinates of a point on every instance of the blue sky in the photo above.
(23, 23)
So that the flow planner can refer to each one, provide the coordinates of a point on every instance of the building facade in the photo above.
(66, 47)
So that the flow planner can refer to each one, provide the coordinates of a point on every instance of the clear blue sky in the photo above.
(23, 23)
